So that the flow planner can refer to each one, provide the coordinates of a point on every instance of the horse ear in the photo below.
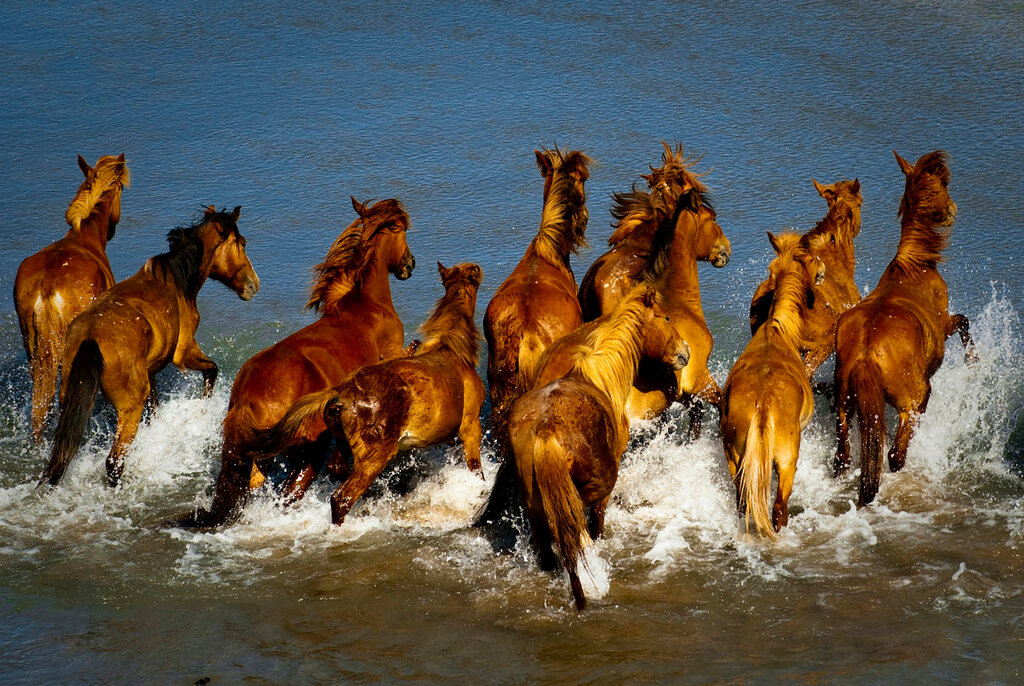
(855, 188)
(907, 167)
(84, 166)
(210, 211)
(543, 163)
(774, 241)
(442, 270)
(236, 212)
(827, 192)
(120, 158)
(359, 207)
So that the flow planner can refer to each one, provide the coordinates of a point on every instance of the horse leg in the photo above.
(471, 436)
(962, 325)
(306, 461)
(366, 468)
(842, 402)
(540, 534)
(127, 426)
(785, 467)
(596, 522)
(44, 387)
(710, 394)
(908, 421)
(196, 359)
(151, 400)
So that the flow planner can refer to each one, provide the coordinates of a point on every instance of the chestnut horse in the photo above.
(427, 398)
(767, 400)
(889, 345)
(119, 343)
(61, 280)
(567, 437)
(832, 241)
(358, 326)
(687, 232)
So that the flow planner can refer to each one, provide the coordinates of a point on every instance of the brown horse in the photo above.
(767, 399)
(832, 241)
(134, 329)
(537, 303)
(567, 437)
(409, 402)
(358, 326)
(61, 280)
(889, 345)
(687, 232)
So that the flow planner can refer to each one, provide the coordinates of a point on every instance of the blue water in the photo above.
(289, 110)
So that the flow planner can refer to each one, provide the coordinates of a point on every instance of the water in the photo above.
(288, 110)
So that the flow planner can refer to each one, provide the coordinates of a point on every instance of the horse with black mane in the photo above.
(132, 331)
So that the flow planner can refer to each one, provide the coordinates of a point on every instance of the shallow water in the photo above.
(288, 111)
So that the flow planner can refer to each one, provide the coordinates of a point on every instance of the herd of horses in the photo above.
(569, 367)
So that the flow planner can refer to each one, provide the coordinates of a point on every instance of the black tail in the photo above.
(75, 409)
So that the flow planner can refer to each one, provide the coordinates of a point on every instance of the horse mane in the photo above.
(675, 176)
(351, 254)
(110, 173)
(564, 218)
(450, 328)
(789, 305)
(921, 243)
(632, 211)
(609, 358)
(184, 260)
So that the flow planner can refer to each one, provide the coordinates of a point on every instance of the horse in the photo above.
(567, 437)
(60, 281)
(891, 343)
(535, 305)
(686, 231)
(831, 240)
(767, 399)
(132, 331)
(358, 326)
(410, 402)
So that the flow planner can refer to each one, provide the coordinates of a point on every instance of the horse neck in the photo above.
(95, 228)
(562, 212)
(920, 246)
(786, 317)
(375, 284)
(451, 328)
(679, 282)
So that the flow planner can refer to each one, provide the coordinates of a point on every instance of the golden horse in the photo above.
(410, 402)
(56, 284)
(889, 345)
(132, 331)
(767, 400)
(831, 241)
(358, 326)
(568, 436)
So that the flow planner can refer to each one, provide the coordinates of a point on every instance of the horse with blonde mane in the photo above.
(889, 345)
(428, 398)
(832, 241)
(686, 230)
(767, 400)
(132, 331)
(568, 436)
(358, 326)
(60, 281)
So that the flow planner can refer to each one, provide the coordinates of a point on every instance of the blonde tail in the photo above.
(755, 473)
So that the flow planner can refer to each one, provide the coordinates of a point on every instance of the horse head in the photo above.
(103, 184)
(385, 224)
(662, 340)
(794, 259)
(229, 263)
(926, 194)
(844, 201)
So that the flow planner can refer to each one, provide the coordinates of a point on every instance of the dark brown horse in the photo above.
(767, 400)
(61, 280)
(132, 331)
(889, 345)
(831, 241)
(427, 398)
(358, 326)
(567, 437)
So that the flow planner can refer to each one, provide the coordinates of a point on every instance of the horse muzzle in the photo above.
(406, 268)
(682, 357)
(721, 253)
(249, 288)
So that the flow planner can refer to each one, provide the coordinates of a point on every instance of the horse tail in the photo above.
(530, 350)
(296, 423)
(563, 509)
(75, 409)
(755, 472)
(866, 385)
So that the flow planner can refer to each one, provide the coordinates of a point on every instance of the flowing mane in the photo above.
(451, 326)
(352, 252)
(790, 303)
(612, 351)
(922, 209)
(109, 174)
(564, 218)
(182, 263)
(674, 177)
